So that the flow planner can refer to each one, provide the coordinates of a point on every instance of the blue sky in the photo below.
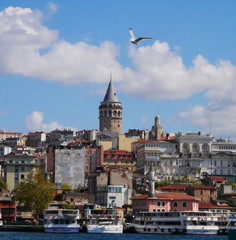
(56, 58)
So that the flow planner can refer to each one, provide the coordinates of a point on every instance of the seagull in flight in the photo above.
(134, 40)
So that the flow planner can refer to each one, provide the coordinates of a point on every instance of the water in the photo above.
(83, 236)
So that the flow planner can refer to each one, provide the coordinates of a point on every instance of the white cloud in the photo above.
(220, 122)
(33, 50)
(52, 7)
(34, 122)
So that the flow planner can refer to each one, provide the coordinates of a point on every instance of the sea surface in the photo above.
(84, 236)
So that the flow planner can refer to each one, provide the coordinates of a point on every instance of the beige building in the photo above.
(114, 188)
(19, 166)
(123, 143)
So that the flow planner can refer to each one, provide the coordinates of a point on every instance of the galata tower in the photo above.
(110, 111)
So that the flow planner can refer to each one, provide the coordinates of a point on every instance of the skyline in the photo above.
(57, 57)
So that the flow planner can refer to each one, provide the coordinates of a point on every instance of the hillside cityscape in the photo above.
(108, 168)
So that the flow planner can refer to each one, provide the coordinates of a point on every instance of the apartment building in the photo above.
(19, 166)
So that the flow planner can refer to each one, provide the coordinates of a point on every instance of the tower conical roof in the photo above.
(110, 94)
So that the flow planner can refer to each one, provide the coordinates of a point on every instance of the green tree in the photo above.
(35, 192)
(66, 186)
(3, 185)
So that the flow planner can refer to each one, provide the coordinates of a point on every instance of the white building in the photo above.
(158, 153)
(190, 155)
(118, 195)
(195, 153)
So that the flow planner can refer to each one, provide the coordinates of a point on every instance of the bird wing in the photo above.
(142, 38)
(131, 33)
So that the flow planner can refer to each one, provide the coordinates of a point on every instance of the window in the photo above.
(175, 204)
(163, 204)
(22, 176)
(158, 203)
(184, 204)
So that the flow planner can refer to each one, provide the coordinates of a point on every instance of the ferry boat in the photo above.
(104, 221)
(186, 222)
(203, 222)
(200, 223)
(61, 221)
(159, 223)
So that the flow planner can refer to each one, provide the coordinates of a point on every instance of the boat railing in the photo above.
(104, 216)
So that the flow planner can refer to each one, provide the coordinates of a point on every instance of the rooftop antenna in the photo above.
(110, 76)
(210, 126)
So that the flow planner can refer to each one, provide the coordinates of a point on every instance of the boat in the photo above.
(210, 223)
(61, 221)
(104, 221)
(159, 223)
(186, 222)
(200, 223)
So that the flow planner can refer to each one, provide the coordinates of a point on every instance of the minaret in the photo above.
(151, 182)
(110, 111)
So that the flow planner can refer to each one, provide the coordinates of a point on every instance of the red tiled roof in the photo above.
(33, 134)
(171, 196)
(203, 187)
(174, 187)
(215, 178)
(117, 151)
(212, 205)
(165, 138)
(10, 133)
(78, 141)
(38, 155)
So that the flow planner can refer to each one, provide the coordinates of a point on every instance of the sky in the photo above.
(56, 58)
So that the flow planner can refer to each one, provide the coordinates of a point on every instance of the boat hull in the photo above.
(111, 229)
(150, 229)
(61, 229)
(202, 230)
